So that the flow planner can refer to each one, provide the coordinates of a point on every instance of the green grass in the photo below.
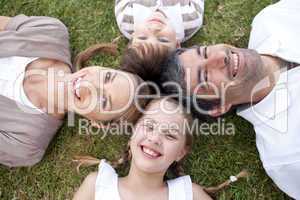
(213, 159)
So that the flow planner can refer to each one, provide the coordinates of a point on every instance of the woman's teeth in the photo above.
(150, 152)
(77, 87)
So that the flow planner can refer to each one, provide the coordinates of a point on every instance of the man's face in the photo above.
(217, 71)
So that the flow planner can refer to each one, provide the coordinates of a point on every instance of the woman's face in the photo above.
(158, 138)
(156, 30)
(101, 94)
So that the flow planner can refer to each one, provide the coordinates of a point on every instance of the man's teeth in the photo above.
(236, 63)
(150, 152)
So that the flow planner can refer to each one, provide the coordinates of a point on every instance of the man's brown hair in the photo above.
(144, 59)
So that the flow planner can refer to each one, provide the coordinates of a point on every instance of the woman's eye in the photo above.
(142, 37)
(150, 127)
(107, 77)
(164, 40)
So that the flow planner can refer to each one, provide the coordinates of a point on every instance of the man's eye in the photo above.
(164, 40)
(205, 52)
(142, 37)
(107, 77)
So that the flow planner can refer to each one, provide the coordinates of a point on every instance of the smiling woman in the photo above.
(104, 94)
(38, 87)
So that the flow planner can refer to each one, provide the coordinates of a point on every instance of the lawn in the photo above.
(214, 157)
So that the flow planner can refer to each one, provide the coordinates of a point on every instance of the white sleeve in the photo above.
(287, 178)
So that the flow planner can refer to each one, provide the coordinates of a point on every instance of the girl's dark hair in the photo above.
(144, 59)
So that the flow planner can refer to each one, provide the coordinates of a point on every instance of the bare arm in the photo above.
(199, 193)
(3, 22)
(87, 188)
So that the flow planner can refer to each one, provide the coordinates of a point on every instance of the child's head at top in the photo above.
(156, 30)
(150, 43)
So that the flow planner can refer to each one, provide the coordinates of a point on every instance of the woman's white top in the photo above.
(185, 16)
(276, 31)
(12, 73)
(107, 185)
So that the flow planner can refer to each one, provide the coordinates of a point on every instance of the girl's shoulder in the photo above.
(183, 188)
(91, 178)
(87, 188)
(199, 193)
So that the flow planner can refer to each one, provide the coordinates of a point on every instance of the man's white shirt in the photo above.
(276, 119)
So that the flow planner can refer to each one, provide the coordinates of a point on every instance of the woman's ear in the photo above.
(219, 110)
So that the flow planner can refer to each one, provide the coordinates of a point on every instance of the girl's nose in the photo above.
(154, 137)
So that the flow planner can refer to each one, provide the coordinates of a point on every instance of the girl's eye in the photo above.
(164, 40)
(170, 136)
(107, 77)
(142, 37)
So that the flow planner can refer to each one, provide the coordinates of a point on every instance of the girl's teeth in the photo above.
(150, 152)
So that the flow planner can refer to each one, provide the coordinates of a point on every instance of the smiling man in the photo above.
(265, 76)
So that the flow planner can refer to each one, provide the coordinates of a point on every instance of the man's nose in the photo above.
(217, 60)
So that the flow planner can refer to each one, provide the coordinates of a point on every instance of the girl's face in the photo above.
(156, 30)
(158, 138)
(101, 94)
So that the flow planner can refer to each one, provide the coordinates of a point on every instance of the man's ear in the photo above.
(219, 110)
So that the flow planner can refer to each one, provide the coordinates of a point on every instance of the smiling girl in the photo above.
(158, 145)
